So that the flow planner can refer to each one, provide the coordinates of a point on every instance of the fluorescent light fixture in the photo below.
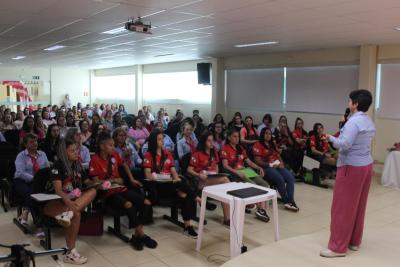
(55, 47)
(18, 57)
(257, 44)
(163, 55)
(115, 31)
(397, 28)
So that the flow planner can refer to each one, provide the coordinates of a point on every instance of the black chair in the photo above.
(12, 137)
(8, 154)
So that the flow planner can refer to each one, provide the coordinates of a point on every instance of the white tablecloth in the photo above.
(391, 170)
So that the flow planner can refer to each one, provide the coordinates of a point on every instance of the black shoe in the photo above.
(210, 206)
(147, 241)
(189, 231)
(136, 242)
(262, 215)
(291, 206)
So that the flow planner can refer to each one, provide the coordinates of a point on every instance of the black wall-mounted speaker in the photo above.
(204, 73)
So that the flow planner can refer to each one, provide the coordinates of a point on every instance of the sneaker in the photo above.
(136, 242)
(149, 242)
(354, 248)
(64, 219)
(23, 218)
(189, 231)
(327, 253)
(73, 257)
(291, 207)
(262, 215)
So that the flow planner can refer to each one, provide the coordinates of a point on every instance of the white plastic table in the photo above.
(237, 211)
(391, 170)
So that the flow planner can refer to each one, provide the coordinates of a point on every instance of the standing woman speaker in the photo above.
(353, 178)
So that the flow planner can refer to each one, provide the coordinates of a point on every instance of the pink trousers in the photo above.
(348, 206)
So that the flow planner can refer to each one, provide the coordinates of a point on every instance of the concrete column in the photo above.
(367, 74)
(138, 104)
(218, 104)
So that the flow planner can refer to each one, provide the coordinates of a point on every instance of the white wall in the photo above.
(70, 81)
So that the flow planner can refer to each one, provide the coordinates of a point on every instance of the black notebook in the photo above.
(247, 192)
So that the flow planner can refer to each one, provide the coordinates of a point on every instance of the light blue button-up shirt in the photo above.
(24, 165)
(354, 141)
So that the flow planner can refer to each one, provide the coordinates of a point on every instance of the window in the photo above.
(113, 87)
(175, 86)
(387, 92)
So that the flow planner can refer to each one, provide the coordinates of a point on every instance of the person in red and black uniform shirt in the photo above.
(300, 138)
(284, 141)
(105, 165)
(203, 163)
(158, 161)
(234, 158)
(267, 155)
(248, 134)
(320, 146)
(67, 180)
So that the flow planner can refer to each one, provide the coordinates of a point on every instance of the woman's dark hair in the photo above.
(117, 123)
(267, 117)
(201, 146)
(295, 124)
(95, 129)
(81, 123)
(261, 138)
(43, 111)
(48, 137)
(222, 134)
(229, 133)
(101, 138)
(70, 167)
(121, 105)
(67, 122)
(363, 98)
(317, 138)
(219, 115)
(102, 107)
(152, 147)
(25, 127)
(134, 120)
(252, 126)
(282, 117)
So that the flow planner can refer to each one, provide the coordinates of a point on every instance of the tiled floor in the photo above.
(175, 249)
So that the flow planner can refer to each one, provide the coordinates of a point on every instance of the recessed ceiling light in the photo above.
(55, 47)
(257, 44)
(18, 57)
(163, 55)
(397, 28)
(115, 31)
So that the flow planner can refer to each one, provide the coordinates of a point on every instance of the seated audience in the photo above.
(7, 123)
(42, 128)
(66, 179)
(236, 122)
(85, 133)
(105, 166)
(126, 150)
(138, 131)
(108, 121)
(204, 162)
(284, 140)
(50, 142)
(217, 119)
(168, 143)
(219, 135)
(62, 124)
(188, 142)
(300, 138)
(28, 162)
(29, 127)
(84, 154)
(96, 119)
(266, 122)
(248, 133)
(234, 160)
(122, 111)
(47, 120)
(159, 161)
(319, 145)
(267, 155)
(117, 120)
(19, 120)
(70, 121)
(198, 125)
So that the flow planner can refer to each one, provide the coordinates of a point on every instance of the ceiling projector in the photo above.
(138, 26)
